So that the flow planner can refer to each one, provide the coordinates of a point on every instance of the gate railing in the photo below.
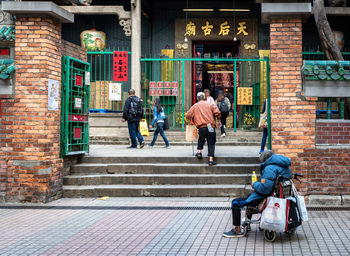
(253, 73)
(74, 106)
(101, 76)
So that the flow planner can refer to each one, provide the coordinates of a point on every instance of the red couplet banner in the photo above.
(120, 66)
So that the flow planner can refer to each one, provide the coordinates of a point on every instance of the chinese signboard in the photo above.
(120, 66)
(223, 29)
(161, 88)
(244, 96)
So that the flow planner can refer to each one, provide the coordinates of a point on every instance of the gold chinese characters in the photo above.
(207, 28)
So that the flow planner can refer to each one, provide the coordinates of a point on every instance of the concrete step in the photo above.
(178, 143)
(243, 160)
(167, 168)
(157, 190)
(155, 179)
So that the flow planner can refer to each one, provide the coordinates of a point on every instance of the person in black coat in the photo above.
(132, 113)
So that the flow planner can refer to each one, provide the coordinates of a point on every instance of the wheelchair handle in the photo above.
(296, 175)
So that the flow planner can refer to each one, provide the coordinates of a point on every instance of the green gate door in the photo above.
(75, 106)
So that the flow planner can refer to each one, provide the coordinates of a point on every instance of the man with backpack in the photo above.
(133, 112)
(224, 106)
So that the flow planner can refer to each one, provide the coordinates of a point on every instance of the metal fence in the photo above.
(160, 75)
(101, 76)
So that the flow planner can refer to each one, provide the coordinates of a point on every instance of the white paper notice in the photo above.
(115, 91)
(53, 94)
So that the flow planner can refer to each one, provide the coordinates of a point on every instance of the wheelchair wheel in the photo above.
(290, 232)
(270, 236)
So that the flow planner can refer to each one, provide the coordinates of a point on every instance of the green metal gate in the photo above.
(75, 106)
(101, 64)
(247, 73)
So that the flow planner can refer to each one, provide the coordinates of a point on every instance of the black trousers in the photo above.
(224, 116)
(204, 134)
(237, 205)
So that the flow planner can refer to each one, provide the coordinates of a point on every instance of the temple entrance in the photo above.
(214, 75)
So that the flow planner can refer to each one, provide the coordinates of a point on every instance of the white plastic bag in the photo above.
(301, 205)
(275, 215)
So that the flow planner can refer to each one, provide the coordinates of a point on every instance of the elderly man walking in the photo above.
(202, 115)
(133, 112)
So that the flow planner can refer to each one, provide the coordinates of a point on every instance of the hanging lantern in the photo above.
(93, 40)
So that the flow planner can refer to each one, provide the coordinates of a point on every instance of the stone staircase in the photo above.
(107, 129)
(160, 176)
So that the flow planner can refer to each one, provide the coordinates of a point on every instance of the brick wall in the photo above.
(333, 132)
(73, 50)
(30, 133)
(328, 171)
(292, 115)
(293, 118)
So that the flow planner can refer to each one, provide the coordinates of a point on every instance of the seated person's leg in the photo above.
(237, 204)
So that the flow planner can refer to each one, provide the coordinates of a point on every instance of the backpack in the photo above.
(135, 109)
(294, 218)
(223, 107)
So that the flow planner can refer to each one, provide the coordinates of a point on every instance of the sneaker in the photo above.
(223, 135)
(142, 144)
(150, 146)
(131, 147)
(261, 151)
(232, 233)
(167, 147)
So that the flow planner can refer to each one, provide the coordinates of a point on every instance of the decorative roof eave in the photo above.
(7, 33)
(7, 66)
(326, 78)
(39, 9)
(271, 11)
(326, 70)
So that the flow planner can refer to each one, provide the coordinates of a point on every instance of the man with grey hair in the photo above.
(133, 112)
(202, 115)
(272, 166)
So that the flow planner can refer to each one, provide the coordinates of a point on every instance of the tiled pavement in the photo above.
(156, 226)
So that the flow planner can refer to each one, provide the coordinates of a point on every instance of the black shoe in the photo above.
(131, 147)
(211, 163)
(142, 144)
(199, 156)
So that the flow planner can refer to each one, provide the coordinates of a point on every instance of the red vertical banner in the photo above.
(120, 66)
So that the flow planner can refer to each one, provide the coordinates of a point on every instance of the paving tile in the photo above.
(60, 230)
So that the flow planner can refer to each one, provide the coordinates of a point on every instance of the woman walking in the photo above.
(158, 118)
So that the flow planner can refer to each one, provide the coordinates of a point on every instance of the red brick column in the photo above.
(31, 132)
(292, 115)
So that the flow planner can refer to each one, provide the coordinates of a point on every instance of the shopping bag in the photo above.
(275, 215)
(144, 128)
(191, 133)
(302, 208)
(263, 120)
(301, 204)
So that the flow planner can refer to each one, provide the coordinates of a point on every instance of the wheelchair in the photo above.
(282, 189)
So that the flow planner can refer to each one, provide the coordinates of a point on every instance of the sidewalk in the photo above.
(156, 226)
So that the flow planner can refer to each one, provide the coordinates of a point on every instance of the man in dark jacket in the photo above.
(133, 112)
(272, 167)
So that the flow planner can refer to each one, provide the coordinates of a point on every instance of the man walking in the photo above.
(133, 112)
(202, 115)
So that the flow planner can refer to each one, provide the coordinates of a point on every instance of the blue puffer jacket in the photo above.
(276, 165)
(158, 117)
